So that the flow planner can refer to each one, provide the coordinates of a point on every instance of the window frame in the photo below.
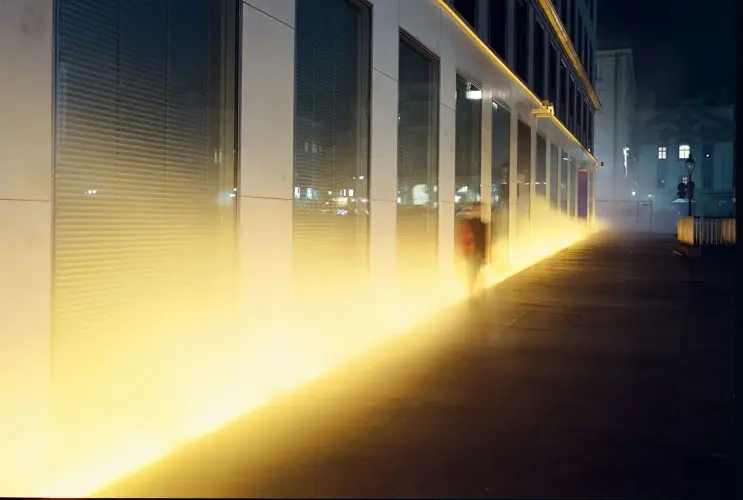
(662, 152)
(684, 151)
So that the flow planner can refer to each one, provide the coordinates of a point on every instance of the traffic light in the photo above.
(681, 190)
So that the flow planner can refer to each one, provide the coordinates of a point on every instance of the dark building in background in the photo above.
(666, 138)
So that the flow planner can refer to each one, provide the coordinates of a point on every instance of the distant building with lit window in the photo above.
(615, 85)
(666, 139)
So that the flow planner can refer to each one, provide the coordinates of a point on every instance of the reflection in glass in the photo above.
(467, 176)
(331, 135)
(541, 180)
(417, 160)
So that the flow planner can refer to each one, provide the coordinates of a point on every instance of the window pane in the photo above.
(541, 180)
(417, 160)
(331, 136)
(571, 105)
(498, 28)
(562, 109)
(523, 176)
(522, 40)
(539, 82)
(467, 145)
(468, 10)
(573, 188)
(552, 75)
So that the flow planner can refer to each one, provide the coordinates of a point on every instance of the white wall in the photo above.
(25, 233)
(384, 97)
(266, 156)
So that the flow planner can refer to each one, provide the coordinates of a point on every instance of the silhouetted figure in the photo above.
(473, 247)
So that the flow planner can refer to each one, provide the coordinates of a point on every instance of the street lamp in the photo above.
(690, 166)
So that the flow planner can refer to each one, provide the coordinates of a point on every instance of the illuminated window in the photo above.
(684, 151)
(417, 155)
(662, 152)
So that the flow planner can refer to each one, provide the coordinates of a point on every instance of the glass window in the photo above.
(522, 40)
(467, 148)
(563, 107)
(571, 100)
(573, 21)
(332, 75)
(586, 123)
(500, 168)
(589, 68)
(541, 180)
(591, 130)
(417, 158)
(498, 29)
(468, 10)
(539, 62)
(552, 75)
(579, 118)
(662, 152)
(684, 151)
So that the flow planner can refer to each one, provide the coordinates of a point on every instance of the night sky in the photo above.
(681, 48)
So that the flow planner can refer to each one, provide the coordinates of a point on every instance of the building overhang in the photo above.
(550, 126)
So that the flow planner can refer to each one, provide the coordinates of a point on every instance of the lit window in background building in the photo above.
(684, 151)
(662, 152)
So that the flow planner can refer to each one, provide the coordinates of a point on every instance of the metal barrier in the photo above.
(706, 231)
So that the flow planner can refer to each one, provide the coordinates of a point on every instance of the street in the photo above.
(604, 371)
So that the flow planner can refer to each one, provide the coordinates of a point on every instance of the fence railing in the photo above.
(706, 231)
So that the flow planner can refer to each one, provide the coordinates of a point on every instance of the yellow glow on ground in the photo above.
(191, 383)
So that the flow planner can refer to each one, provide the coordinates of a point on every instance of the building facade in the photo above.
(186, 181)
(613, 129)
(666, 139)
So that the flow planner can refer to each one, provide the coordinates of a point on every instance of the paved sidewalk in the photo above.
(605, 371)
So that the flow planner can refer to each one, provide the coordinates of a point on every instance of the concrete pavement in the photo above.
(604, 371)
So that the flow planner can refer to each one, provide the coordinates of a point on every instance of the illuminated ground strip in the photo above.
(129, 452)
